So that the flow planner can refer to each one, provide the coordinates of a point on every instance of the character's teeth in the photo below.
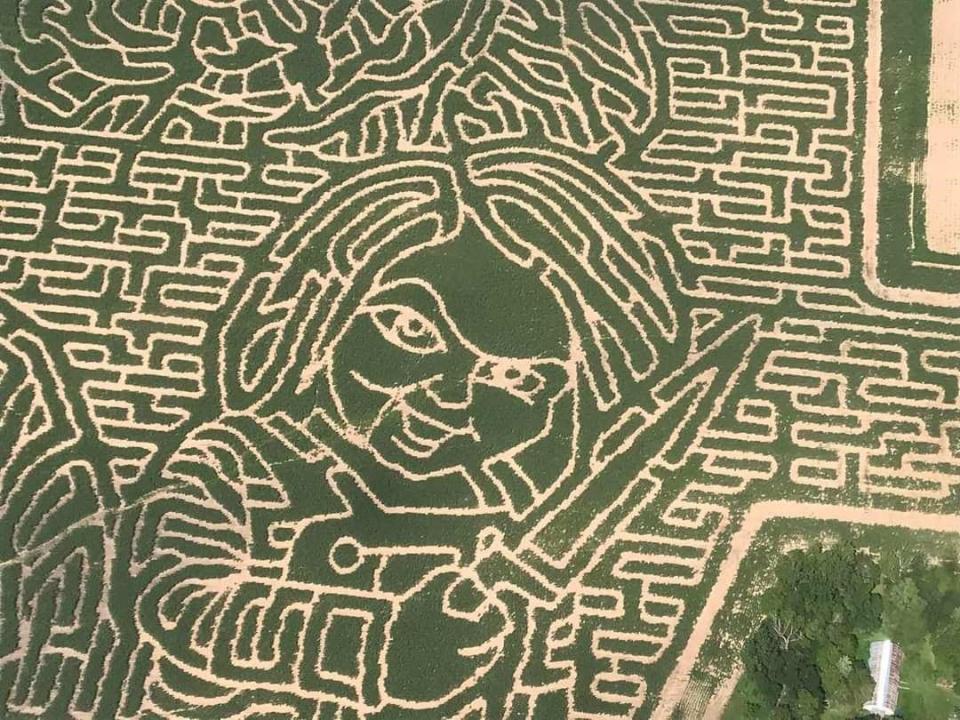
(414, 447)
(421, 436)
(423, 431)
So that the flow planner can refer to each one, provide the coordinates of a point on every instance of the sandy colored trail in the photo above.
(760, 513)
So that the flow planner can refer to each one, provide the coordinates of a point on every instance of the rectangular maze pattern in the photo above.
(268, 448)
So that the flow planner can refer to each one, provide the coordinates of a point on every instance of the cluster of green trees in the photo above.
(807, 658)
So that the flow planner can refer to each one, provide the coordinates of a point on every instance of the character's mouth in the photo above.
(420, 435)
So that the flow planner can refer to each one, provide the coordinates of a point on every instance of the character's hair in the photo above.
(616, 283)
(323, 265)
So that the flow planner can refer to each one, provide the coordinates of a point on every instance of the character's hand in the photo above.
(445, 635)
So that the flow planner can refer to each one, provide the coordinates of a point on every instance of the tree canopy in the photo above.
(806, 659)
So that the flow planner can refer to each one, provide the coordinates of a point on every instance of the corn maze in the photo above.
(419, 359)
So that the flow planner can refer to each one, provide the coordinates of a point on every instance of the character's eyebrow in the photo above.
(414, 293)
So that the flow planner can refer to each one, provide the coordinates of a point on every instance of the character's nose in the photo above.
(450, 390)
(443, 402)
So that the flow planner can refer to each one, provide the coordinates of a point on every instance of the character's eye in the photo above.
(407, 329)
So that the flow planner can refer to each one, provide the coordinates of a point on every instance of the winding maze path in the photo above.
(389, 359)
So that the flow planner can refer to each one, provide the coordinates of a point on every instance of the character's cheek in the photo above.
(502, 419)
(363, 351)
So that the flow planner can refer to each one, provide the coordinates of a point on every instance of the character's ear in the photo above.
(261, 342)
